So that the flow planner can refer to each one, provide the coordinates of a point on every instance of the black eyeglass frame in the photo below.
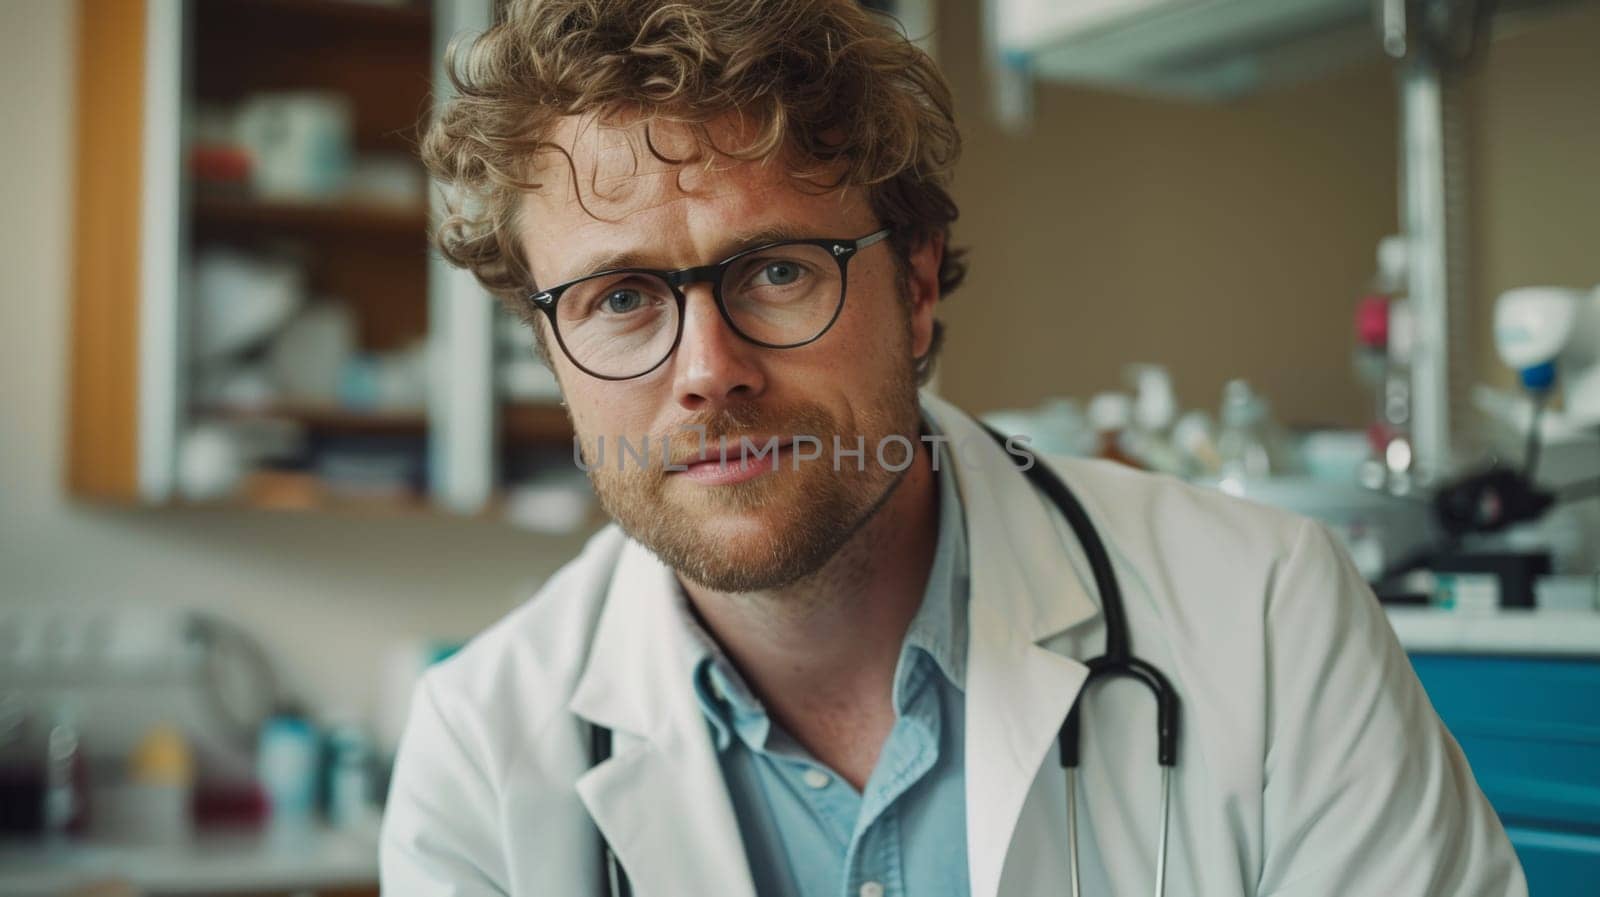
(842, 251)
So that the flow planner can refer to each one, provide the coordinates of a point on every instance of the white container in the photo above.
(299, 144)
(286, 766)
(141, 813)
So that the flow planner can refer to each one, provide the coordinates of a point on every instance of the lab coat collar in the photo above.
(1028, 585)
(660, 800)
(1034, 571)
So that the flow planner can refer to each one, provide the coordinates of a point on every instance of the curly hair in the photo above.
(829, 85)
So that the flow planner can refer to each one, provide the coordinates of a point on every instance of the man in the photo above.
(834, 632)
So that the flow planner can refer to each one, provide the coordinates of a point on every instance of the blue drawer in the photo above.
(1530, 727)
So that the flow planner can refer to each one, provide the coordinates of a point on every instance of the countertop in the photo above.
(1538, 633)
(217, 863)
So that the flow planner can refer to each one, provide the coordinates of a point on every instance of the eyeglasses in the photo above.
(623, 323)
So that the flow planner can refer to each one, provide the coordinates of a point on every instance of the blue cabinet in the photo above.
(1531, 729)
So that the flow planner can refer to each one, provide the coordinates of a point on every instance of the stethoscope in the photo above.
(1118, 661)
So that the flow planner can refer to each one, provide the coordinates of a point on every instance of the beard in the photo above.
(781, 526)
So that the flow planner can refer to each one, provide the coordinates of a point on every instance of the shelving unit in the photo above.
(414, 17)
(233, 216)
(326, 418)
(367, 258)
(159, 78)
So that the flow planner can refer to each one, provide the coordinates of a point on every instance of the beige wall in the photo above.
(1224, 240)
(1233, 239)
(1536, 163)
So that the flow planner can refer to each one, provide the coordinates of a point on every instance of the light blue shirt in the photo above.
(807, 832)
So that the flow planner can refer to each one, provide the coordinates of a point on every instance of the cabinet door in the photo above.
(152, 76)
(122, 417)
(1530, 727)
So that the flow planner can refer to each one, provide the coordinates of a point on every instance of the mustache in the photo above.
(729, 430)
(703, 436)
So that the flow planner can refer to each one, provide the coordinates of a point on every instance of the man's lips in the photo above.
(745, 459)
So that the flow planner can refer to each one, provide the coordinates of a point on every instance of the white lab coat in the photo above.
(1311, 762)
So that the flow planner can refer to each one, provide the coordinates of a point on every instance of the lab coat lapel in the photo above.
(1027, 585)
(660, 801)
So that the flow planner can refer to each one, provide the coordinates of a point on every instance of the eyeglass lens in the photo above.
(620, 325)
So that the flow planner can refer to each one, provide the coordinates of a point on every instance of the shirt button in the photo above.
(871, 889)
(816, 778)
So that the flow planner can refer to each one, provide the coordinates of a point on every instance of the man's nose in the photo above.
(714, 365)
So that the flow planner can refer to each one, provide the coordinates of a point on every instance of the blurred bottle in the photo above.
(1110, 414)
(1250, 446)
(1195, 437)
(350, 789)
(1385, 346)
(1155, 406)
(1391, 432)
(286, 766)
(21, 800)
(66, 776)
(161, 774)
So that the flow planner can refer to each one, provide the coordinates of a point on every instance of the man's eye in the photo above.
(781, 273)
(622, 301)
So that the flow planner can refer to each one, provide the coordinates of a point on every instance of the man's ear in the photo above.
(923, 288)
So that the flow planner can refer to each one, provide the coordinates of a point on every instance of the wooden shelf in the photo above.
(520, 423)
(323, 504)
(311, 218)
(529, 423)
(328, 419)
(341, 12)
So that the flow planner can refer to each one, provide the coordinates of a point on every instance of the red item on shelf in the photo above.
(1372, 321)
(219, 163)
(229, 804)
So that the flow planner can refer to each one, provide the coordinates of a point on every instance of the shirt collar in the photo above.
(939, 629)
(938, 632)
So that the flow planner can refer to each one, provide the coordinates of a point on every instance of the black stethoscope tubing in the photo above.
(1118, 661)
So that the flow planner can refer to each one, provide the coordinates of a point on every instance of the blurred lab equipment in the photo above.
(241, 299)
(309, 356)
(286, 767)
(1251, 445)
(152, 804)
(1335, 456)
(1549, 337)
(350, 777)
(386, 381)
(215, 456)
(1110, 417)
(1155, 407)
(522, 376)
(1386, 344)
(1056, 427)
(391, 180)
(299, 143)
(82, 688)
(1195, 437)
(66, 779)
(211, 462)
(219, 162)
(369, 467)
